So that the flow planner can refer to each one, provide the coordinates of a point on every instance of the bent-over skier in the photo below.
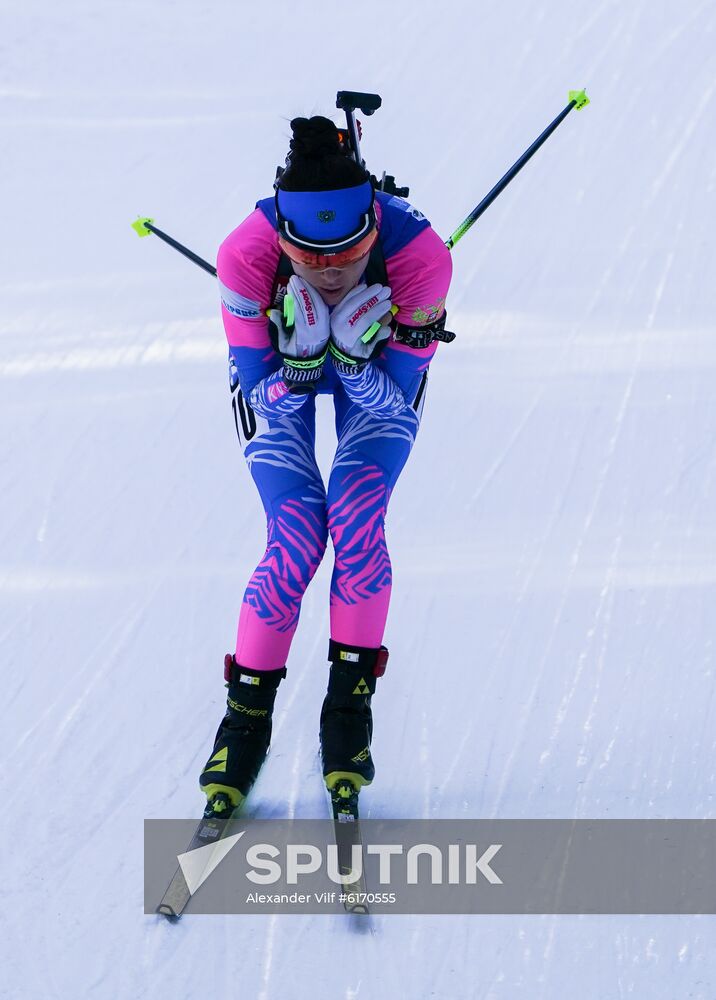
(329, 287)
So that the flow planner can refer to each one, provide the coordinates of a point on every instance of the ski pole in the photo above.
(143, 227)
(577, 99)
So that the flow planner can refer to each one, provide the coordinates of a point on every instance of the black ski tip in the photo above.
(168, 912)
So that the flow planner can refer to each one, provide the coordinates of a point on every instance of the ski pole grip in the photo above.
(580, 98)
(141, 226)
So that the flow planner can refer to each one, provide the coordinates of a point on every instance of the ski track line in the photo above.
(677, 149)
(496, 660)
(419, 641)
(657, 55)
(92, 359)
(606, 599)
(158, 944)
(627, 109)
(616, 263)
(611, 571)
(701, 454)
(499, 461)
(702, 500)
(588, 23)
(301, 734)
(525, 589)
(153, 343)
(168, 946)
(96, 663)
(609, 594)
(656, 547)
(602, 622)
(561, 715)
(424, 758)
(19, 580)
(567, 589)
(17, 528)
(267, 959)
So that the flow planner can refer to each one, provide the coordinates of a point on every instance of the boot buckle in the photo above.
(228, 664)
(381, 662)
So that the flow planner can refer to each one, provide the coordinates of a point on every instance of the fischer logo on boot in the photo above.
(244, 710)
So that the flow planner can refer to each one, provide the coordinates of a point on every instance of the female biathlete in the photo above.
(329, 287)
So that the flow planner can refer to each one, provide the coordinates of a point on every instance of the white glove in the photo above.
(352, 319)
(300, 332)
(303, 328)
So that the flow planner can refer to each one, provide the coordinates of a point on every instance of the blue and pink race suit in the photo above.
(377, 414)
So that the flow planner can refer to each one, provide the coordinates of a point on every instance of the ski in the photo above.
(214, 825)
(346, 823)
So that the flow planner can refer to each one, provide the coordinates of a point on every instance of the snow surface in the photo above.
(553, 535)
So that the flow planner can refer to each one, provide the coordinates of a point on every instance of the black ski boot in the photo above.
(346, 718)
(243, 738)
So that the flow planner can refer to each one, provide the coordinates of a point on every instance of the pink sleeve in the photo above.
(419, 277)
(246, 267)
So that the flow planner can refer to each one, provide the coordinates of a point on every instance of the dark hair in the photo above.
(317, 161)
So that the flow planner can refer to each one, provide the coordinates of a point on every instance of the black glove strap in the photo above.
(420, 337)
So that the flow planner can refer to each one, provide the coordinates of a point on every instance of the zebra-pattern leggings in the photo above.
(301, 513)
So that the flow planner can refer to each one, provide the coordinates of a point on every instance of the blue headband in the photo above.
(326, 221)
